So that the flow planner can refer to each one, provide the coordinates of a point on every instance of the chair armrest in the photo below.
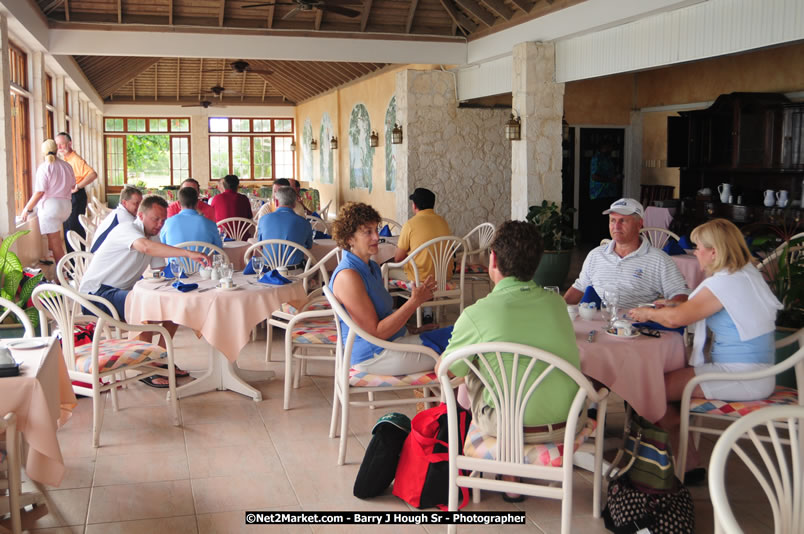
(301, 316)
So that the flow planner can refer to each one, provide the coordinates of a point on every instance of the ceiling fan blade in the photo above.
(260, 71)
(258, 5)
(345, 11)
(216, 70)
(292, 13)
(328, 3)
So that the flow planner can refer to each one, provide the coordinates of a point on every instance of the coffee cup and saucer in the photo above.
(623, 329)
(226, 284)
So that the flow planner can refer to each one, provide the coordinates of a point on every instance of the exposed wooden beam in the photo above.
(284, 85)
(269, 100)
(220, 13)
(498, 7)
(156, 80)
(108, 74)
(170, 12)
(365, 15)
(319, 16)
(120, 11)
(178, 77)
(477, 11)
(411, 12)
(67, 10)
(270, 17)
(524, 5)
(264, 87)
(200, 76)
(243, 87)
(461, 21)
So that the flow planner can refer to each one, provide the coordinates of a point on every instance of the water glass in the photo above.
(227, 271)
(611, 298)
(552, 289)
(177, 267)
(217, 260)
(257, 263)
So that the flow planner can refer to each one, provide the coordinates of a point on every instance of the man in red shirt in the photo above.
(230, 203)
(202, 207)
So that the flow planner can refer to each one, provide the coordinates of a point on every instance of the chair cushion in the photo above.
(116, 354)
(782, 396)
(408, 285)
(473, 268)
(315, 331)
(480, 445)
(364, 379)
(287, 307)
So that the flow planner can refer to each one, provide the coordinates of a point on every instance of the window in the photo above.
(50, 127)
(20, 127)
(154, 152)
(253, 149)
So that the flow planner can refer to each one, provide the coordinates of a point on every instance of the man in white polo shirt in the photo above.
(641, 273)
(126, 211)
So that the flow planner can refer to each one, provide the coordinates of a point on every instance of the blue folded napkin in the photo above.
(386, 231)
(657, 326)
(227, 238)
(590, 295)
(250, 269)
(673, 249)
(169, 272)
(273, 277)
(437, 339)
(315, 214)
(321, 235)
(184, 288)
(685, 242)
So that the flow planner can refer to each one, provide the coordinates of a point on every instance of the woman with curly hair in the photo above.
(358, 284)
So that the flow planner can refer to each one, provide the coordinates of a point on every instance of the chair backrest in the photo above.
(780, 473)
(605, 241)
(318, 224)
(76, 241)
(442, 251)
(8, 429)
(9, 307)
(769, 267)
(190, 266)
(256, 204)
(238, 228)
(71, 268)
(511, 393)
(394, 226)
(279, 253)
(325, 210)
(484, 233)
(658, 237)
(88, 225)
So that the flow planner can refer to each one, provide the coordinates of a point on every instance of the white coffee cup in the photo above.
(572, 310)
(226, 283)
(623, 328)
(205, 273)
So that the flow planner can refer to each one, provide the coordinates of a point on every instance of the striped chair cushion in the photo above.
(480, 445)
(782, 396)
(117, 353)
(363, 379)
(408, 285)
(287, 307)
(316, 331)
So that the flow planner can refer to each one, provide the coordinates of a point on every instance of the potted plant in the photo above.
(555, 224)
(16, 286)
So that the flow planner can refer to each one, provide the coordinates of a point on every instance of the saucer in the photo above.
(228, 288)
(632, 336)
(26, 344)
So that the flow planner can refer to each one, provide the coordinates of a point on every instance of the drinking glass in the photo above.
(257, 263)
(552, 289)
(228, 270)
(177, 267)
(217, 260)
(611, 298)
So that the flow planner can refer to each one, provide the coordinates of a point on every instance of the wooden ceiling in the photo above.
(190, 80)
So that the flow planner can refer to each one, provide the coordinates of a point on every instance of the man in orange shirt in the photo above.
(84, 175)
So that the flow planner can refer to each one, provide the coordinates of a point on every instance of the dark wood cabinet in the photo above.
(792, 138)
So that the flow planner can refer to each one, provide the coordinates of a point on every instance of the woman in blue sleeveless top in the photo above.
(357, 282)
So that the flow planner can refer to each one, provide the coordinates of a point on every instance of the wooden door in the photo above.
(20, 147)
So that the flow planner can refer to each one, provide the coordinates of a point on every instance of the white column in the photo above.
(39, 130)
(539, 101)
(7, 205)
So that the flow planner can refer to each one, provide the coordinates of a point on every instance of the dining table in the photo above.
(386, 250)
(223, 317)
(42, 398)
(690, 268)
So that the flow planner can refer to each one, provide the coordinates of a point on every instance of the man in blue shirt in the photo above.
(188, 224)
(284, 223)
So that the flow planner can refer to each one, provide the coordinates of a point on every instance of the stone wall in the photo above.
(459, 154)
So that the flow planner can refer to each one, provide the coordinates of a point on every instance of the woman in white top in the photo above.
(736, 305)
(53, 186)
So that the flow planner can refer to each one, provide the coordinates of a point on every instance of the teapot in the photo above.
(725, 192)
(782, 198)
(770, 198)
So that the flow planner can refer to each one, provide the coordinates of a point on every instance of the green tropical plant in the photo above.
(13, 288)
(788, 283)
(555, 224)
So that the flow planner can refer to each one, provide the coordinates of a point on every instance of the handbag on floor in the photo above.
(645, 493)
(382, 455)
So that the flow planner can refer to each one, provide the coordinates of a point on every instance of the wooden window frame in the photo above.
(147, 130)
(251, 134)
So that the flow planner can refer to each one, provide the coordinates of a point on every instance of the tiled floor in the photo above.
(233, 454)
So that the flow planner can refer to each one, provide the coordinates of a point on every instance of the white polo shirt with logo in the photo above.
(641, 277)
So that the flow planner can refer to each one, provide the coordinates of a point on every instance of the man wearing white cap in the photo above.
(641, 273)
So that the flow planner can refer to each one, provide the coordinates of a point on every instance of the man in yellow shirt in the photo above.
(425, 225)
(84, 175)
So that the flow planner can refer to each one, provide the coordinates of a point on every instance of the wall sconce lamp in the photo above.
(396, 135)
(313, 144)
(293, 145)
(333, 143)
(565, 129)
(374, 140)
(513, 129)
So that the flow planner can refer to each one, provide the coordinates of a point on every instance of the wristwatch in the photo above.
(30, 211)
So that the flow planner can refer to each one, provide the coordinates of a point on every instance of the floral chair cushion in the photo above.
(408, 285)
(364, 379)
(315, 331)
(287, 307)
(116, 354)
(782, 396)
(480, 445)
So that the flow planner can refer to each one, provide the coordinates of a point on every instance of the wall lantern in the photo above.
(333, 143)
(513, 129)
(313, 144)
(396, 135)
(565, 129)
(374, 140)
(293, 145)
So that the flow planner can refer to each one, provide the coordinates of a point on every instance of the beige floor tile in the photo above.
(76, 443)
(254, 458)
(225, 434)
(319, 451)
(261, 491)
(174, 525)
(138, 468)
(202, 413)
(75, 529)
(234, 523)
(138, 394)
(129, 502)
(62, 508)
(137, 416)
(296, 424)
(78, 473)
(145, 439)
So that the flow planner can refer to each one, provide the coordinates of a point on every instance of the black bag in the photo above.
(382, 455)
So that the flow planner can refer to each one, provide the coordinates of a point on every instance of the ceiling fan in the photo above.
(203, 104)
(219, 91)
(333, 6)
(240, 67)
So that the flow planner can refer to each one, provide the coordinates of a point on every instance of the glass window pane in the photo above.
(179, 125)
(217, 124)
(241, 157)
(113, 125)
(262, 125)
(219, 156)
(241, 125)
(262, 158)
(284, 158)
(158, 125)
(148, 159)
(283, 125)
(181, 159)
(114, 161)
(136, 125)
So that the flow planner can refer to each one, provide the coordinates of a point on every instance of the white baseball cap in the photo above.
(626, 206)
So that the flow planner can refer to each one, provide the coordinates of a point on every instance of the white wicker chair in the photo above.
(318, 224)
(658, 237)
(325, 210)
(192, 267)
(394, 226)
(9, 307)
(510, 455)
(477, 257)
(780, 472)
(77, 242)
(10, 464)
(71, 268)
(89, 227)
(238, 228)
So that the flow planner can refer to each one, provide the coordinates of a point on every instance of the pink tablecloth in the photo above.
(322, 246)
(42, 397)
(632, 368)
(690, 269)
(659, 217)
(224, 318)
(235, 250)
